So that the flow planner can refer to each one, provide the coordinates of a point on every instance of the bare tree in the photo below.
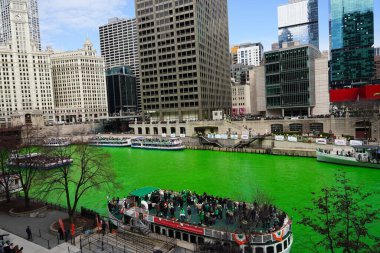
(26, 162)
(341, 215)
(73, 181)
(9, 140)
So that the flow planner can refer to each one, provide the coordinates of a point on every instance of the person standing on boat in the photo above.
(189, 213)
(182, 215)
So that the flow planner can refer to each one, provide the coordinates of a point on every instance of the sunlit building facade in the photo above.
(184, 58)
(298, 21)
(33, 20)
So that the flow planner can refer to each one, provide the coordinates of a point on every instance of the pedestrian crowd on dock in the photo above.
(210, 209)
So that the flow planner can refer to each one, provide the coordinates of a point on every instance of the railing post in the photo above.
(39, 231)
(48, 244)
(57, 239)
(102, 244)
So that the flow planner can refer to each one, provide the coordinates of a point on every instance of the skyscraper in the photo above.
(184, 58)
(351, 42)
(25, 76)
(298, 21)
(119, 47)
(33, 20)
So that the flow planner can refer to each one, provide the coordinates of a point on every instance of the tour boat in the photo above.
(110, 141)
(56, 142)
(144, 211)
(361, 156)
(38, 161)
(157, 143)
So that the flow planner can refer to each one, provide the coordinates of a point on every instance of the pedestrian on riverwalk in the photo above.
(60, 232)
(29, 233)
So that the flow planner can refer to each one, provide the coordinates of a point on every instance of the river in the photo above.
(288, 180)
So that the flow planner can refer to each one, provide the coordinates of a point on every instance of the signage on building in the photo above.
(234, 136)
(321, 141)
(356, 143)
(211, 136)
(164, 135)
(172, 135)
(244, 136)
(224, 136)
(292, 138)
(279, 138)
(340, 142)
(182, 135)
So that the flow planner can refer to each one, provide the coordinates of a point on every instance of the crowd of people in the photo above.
(9, 247)
(186, 206)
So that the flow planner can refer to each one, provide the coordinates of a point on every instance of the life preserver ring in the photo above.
(278, 235)
(144, 204)
(240, 239)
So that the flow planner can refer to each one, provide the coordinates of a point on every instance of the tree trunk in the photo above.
(27, 200)
(7, 194)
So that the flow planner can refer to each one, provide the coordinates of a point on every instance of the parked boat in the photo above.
(361, 156)
(56, 142)
(157, 143)
(110, 141)
(151, 210)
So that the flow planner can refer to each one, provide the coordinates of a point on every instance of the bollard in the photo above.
(48, 244)
(39, 231)
(57, 239)
(102, 244)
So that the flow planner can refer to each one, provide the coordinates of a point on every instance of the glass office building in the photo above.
(121, 91)
(351, 42)
(289, 79)
(298, 21)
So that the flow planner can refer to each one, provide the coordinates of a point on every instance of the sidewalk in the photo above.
(42, 238)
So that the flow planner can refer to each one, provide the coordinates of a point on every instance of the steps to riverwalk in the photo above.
(206, 141)
(122, 243)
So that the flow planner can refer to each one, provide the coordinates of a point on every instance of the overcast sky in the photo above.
(65, 24)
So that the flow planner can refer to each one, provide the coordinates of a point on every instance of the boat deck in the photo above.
(232, 226)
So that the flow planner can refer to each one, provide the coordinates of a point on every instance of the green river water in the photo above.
(288, 180)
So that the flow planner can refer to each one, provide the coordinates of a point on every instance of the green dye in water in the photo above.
(288, 180)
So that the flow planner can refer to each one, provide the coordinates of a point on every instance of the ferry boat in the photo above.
(361, 156)
(56, 142)
(225, 222)
(37, 161)
(157, 143)
(110, 141)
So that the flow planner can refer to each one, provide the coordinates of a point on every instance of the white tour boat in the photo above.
(360, 156)
(157, 143)
(110, 141)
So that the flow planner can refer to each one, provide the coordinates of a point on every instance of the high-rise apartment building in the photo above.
(119, 47)
(25, 71)
(250, 54)
(121, 91)
(298, 21)
(184, 58)
(351, 42)
(33, 20)
(79, 85)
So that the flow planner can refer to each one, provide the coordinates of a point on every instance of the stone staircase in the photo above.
(123, 243)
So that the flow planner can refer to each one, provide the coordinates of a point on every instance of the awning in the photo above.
(143, 191)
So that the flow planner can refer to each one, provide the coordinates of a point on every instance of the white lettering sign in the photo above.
(321, 141)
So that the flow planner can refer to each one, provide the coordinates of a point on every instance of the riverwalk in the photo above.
(42, 240)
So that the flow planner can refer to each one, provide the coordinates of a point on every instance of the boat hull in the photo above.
(179, 148)
(350, 161)
(110, 145)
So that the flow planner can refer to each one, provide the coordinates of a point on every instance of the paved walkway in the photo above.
(42, 239)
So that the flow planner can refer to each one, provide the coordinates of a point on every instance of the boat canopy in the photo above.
(143, 191)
